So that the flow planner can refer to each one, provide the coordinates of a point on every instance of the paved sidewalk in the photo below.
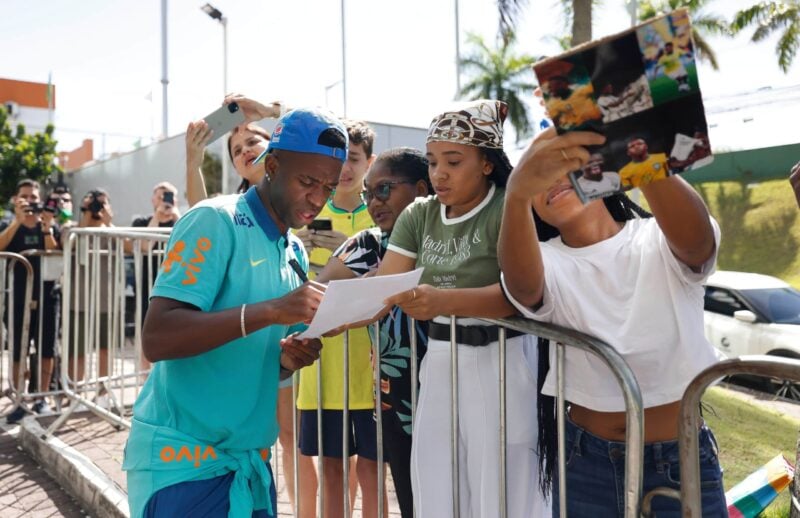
(25, 489)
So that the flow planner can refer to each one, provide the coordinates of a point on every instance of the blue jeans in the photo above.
(202, 498)
(596, 476)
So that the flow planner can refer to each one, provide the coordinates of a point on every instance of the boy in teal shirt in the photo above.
(218, 330)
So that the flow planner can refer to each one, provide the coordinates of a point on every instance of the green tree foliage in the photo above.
(500, 73)
(509, 12)
(769, 18)
(703, 24)
(24, 155)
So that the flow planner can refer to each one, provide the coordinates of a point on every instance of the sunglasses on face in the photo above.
(383, 191)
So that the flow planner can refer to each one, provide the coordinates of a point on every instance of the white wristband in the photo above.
(241, 321)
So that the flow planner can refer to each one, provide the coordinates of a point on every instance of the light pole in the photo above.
(164, 78)
(344, 67)
(327, 91)
(216, 14)
(458, 51)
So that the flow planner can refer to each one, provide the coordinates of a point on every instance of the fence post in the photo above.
(794, 489)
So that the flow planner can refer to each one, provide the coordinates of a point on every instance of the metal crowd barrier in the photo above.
(688, 441)
(96, 257)
(562, 338)
(102, 370)
(634, 430)
(8, 262)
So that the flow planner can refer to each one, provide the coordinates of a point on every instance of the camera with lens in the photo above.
(35, 208)
(95, 204)
(51, 206)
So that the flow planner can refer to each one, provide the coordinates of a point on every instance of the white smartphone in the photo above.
(223, 120)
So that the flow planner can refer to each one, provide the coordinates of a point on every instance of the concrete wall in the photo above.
(129, 178)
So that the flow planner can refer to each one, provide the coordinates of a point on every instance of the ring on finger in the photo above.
(413, 294)
(564, 154)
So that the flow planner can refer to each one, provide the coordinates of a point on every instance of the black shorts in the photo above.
(363, 440)
(48, 309)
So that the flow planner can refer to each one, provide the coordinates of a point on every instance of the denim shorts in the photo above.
(596, 476)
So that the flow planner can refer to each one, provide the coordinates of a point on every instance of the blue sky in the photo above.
(105, 58)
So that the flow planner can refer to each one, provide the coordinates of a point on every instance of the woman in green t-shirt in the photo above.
(453, 235)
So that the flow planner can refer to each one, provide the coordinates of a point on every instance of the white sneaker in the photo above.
(42, 408)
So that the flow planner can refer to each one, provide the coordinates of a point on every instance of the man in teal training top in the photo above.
(219, 330)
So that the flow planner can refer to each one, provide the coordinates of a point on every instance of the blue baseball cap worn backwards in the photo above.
(300, 131)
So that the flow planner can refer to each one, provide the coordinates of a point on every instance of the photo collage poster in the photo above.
(639, 88)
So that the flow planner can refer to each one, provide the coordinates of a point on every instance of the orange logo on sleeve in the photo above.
(191, 268)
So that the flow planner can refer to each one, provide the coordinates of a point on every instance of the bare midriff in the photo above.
(660, 422)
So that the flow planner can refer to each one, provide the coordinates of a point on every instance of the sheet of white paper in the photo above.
(354, 300)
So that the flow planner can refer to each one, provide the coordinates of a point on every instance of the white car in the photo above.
(750, 313)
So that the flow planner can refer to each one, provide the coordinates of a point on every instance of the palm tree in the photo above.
(580, 13)
(500, 74)
(770, 17)
(509, 11)
(703, 24)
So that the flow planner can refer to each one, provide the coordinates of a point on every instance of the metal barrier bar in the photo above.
(454, 433)
(320, 462)
(688, 440)
(345, 427)
(11, 259)
(295, 460)
(634, 432)
(501, 348)
(378, 414)
(561, 412)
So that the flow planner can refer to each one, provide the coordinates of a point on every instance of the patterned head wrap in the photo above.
(476, 123)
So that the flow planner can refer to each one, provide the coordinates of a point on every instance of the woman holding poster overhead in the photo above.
(609, 269)
(453, 235)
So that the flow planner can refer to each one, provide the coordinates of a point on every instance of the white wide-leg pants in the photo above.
(479, 429)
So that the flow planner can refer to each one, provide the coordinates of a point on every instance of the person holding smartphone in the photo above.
(165, 214)
(246, 142)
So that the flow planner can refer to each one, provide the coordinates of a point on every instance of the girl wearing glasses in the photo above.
(397, 177)
(453, 235)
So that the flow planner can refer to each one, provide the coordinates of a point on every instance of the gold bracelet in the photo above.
(241, 321)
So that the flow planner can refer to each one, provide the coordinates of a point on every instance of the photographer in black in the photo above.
(31, 229)
(96, 212)
(59, 202)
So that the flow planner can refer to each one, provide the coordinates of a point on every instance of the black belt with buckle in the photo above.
(477, 336)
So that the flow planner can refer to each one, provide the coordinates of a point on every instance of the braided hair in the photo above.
(621, 209)
(502, 166)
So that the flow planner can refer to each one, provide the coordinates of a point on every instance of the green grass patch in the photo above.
(748, 438)
(665, 89)
(760, 227)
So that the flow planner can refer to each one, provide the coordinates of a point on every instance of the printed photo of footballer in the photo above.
(608, 87)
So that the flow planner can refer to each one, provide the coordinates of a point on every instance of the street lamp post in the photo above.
(216, 14)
